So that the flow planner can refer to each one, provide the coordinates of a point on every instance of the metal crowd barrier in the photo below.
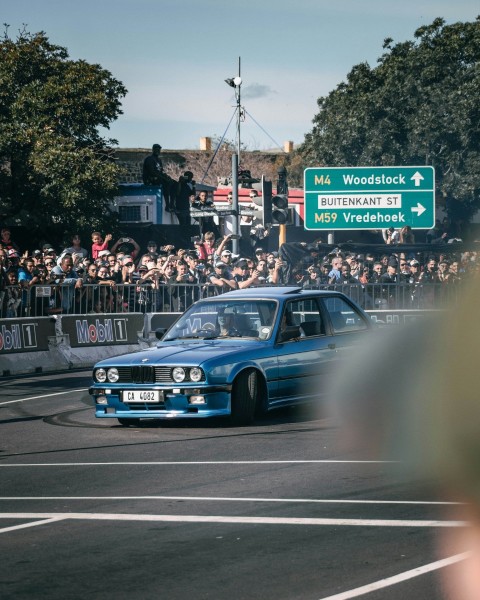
(44, 300)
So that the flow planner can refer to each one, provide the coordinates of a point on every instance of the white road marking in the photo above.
(44, 396)
(200, 462)
(232, 499)
(34, 524)
(382, 583)
(235, 520)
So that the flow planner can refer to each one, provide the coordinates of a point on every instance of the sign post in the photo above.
(349, 198)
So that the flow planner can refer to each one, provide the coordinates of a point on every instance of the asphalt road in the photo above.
(89, 509)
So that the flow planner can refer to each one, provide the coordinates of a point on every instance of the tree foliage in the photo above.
(56, 171)
(420, 106)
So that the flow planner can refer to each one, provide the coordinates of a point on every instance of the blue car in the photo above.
(237, 355)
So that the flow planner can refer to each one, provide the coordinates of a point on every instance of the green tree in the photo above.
(419, 106)
(56, 172)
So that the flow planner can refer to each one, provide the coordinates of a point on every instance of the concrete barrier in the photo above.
(42, 344)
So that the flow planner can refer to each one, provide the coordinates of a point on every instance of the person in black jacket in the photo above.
(153, 174)
(184, 197)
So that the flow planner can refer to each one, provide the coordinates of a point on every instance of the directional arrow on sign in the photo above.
(419, 209)
(417, 178)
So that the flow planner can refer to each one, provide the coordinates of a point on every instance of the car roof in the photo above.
(272, 292)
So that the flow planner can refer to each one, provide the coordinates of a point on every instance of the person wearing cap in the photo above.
(222, 278)
(49, 251)
(222, 253)
(13, 256)
(152, 252)
(243, 276)
(37, 257)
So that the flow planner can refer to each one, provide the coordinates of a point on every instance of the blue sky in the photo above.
(174, 55)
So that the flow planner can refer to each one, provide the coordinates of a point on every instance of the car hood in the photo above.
(194, 352)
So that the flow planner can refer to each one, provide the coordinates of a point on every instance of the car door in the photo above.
(303, 350)
(346, 321)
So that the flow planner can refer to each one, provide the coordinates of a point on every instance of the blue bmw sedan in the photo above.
(237, 355)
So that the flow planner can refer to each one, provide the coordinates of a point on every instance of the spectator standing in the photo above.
(335, 274)
(184, 198)
(76, 247)
(12, 298)
(68, 281)
(406, 235)
(243, 277)
(205, 204)
(27, 278)
(6, 240)
(390, 236)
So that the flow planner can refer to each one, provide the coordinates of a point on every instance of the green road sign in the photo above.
(369, 197)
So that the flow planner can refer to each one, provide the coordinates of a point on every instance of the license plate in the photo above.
(143, 396)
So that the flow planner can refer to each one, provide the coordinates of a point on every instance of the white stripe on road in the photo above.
(200, 462)
(235, 520)
(34, 524)
(44, 396)
(233, 499)
(382, 583)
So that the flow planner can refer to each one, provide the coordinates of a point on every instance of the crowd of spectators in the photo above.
(102, 276)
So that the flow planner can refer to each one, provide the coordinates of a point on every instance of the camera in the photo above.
(234, 236)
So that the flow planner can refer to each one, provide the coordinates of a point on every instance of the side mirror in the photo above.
(160, 332)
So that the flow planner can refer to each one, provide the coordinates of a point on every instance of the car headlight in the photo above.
(178, 374)
(112, 375)
(101, 375)
(196, 374)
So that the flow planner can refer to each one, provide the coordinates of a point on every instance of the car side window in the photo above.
(305, 315)
(343, 316)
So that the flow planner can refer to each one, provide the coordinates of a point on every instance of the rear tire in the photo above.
(244, 397)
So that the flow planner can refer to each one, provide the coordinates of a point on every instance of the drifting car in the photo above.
(235, 355)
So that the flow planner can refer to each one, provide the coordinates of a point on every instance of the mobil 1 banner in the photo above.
(25, 335)
(103, 330)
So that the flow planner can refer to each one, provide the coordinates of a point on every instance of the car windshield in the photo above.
(225, 319)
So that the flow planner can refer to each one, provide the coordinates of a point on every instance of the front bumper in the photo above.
(178, 402)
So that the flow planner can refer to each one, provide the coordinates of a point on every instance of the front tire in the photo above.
(244, 397)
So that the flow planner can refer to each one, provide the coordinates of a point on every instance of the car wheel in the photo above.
(129, 422)
(244, 397)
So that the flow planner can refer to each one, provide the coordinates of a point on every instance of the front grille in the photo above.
(145, 374)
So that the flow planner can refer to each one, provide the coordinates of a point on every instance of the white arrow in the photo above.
(419, 209)
(417, 178)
